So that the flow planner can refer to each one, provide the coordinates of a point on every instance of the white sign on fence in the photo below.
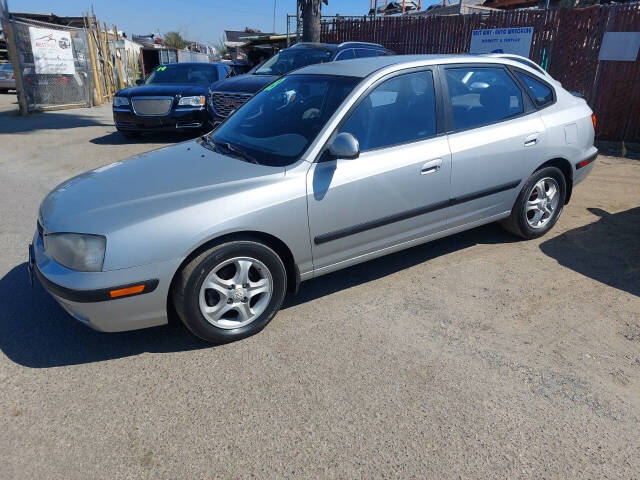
(620, 46)
(515, 40)
(52, 51)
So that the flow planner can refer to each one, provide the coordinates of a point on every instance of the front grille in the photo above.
(151, 105)
(225, 103)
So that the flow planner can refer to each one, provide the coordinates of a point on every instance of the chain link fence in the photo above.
(59, 71)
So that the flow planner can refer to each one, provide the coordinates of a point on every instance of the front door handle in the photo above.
(432, 166)
(531, 140)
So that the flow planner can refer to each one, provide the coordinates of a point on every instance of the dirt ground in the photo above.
(474, 356)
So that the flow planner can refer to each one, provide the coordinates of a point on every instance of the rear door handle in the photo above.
(432, 166)
(531, 140)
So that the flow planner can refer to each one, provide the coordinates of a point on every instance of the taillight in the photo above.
(593, 120)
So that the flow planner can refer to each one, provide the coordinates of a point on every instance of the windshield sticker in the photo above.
(162, 69)
(274, 84)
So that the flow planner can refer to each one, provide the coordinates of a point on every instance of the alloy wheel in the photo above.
(236, 292)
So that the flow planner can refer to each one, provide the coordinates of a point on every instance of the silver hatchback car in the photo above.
(326, 167)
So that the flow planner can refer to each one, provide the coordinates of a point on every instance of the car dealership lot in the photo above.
(477, 355)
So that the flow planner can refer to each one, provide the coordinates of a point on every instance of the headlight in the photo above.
(120, 101)
(192, 101)
(76, 251)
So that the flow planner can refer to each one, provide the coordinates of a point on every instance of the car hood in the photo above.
(148, 186)
(243, 83)
(164, 89)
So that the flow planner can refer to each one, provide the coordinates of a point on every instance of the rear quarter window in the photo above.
(542, 95)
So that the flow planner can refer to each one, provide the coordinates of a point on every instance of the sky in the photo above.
(198, 20)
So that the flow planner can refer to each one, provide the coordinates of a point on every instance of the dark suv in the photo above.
(231, 93)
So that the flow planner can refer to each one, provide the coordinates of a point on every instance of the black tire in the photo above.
(4, 90)
(186, 290)
(517, 223)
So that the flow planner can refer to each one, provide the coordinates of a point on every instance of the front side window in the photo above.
(175, 73)
(292, 58)
(400, 110)
(277, 125)
(482, 95)
(541, 94)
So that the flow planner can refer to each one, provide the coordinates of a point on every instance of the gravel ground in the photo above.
(475, 356)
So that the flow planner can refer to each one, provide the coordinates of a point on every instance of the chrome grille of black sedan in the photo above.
(225, 102)
(151, 105)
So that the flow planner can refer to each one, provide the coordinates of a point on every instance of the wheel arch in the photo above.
(565, 167)
(271, 241)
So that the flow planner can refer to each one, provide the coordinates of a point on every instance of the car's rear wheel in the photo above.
(4, 90)
(538, 205)
(230, 291)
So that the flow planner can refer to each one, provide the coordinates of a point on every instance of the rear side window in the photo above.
(400, 110)
(346, 55)
(541, 94)
(366, 52)
(482, 95)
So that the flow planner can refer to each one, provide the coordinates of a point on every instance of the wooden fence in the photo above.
(566, 42)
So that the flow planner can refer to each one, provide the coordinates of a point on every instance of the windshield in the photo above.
(277, 125)
(292, 58)
(204, 74)
(6, 66)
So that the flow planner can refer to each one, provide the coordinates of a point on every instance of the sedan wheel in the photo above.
(538, 205)
(542, 202)
(236, 292)
(230, 291)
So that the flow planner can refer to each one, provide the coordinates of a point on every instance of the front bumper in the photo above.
(86, 295)
(181, 119)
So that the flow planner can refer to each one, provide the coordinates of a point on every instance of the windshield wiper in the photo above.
(237, 151)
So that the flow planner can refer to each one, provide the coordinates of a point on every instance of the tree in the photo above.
(311, 11)
(174, 40)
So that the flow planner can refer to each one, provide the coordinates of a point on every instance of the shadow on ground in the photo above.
(11, 122)
(116, 138)
(36, 332)
(607, 250)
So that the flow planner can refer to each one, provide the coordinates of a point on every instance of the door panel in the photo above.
(378, 200)
(497, 138)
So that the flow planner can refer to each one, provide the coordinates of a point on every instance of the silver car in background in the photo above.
(327, 167)
(7, 78)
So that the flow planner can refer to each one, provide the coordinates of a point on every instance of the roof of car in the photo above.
(363, 67)
(333, 47)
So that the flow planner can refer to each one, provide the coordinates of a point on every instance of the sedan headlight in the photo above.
(192, 101)
(120, 101)
(76, 251)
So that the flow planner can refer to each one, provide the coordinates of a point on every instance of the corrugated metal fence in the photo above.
(566, 42)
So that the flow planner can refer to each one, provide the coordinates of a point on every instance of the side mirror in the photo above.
(139, 81)
(344, 145)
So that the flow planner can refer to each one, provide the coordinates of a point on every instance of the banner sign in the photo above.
(52, 51)
(515, 40)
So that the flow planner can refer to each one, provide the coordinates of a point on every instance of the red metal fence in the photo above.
(565, 41)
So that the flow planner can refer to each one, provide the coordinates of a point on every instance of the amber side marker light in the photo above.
(121, 292)
(593, 119)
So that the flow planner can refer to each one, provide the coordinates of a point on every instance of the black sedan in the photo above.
(175, 97)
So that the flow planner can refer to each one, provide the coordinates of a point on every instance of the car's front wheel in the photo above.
(230, 291)
(538, 205)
